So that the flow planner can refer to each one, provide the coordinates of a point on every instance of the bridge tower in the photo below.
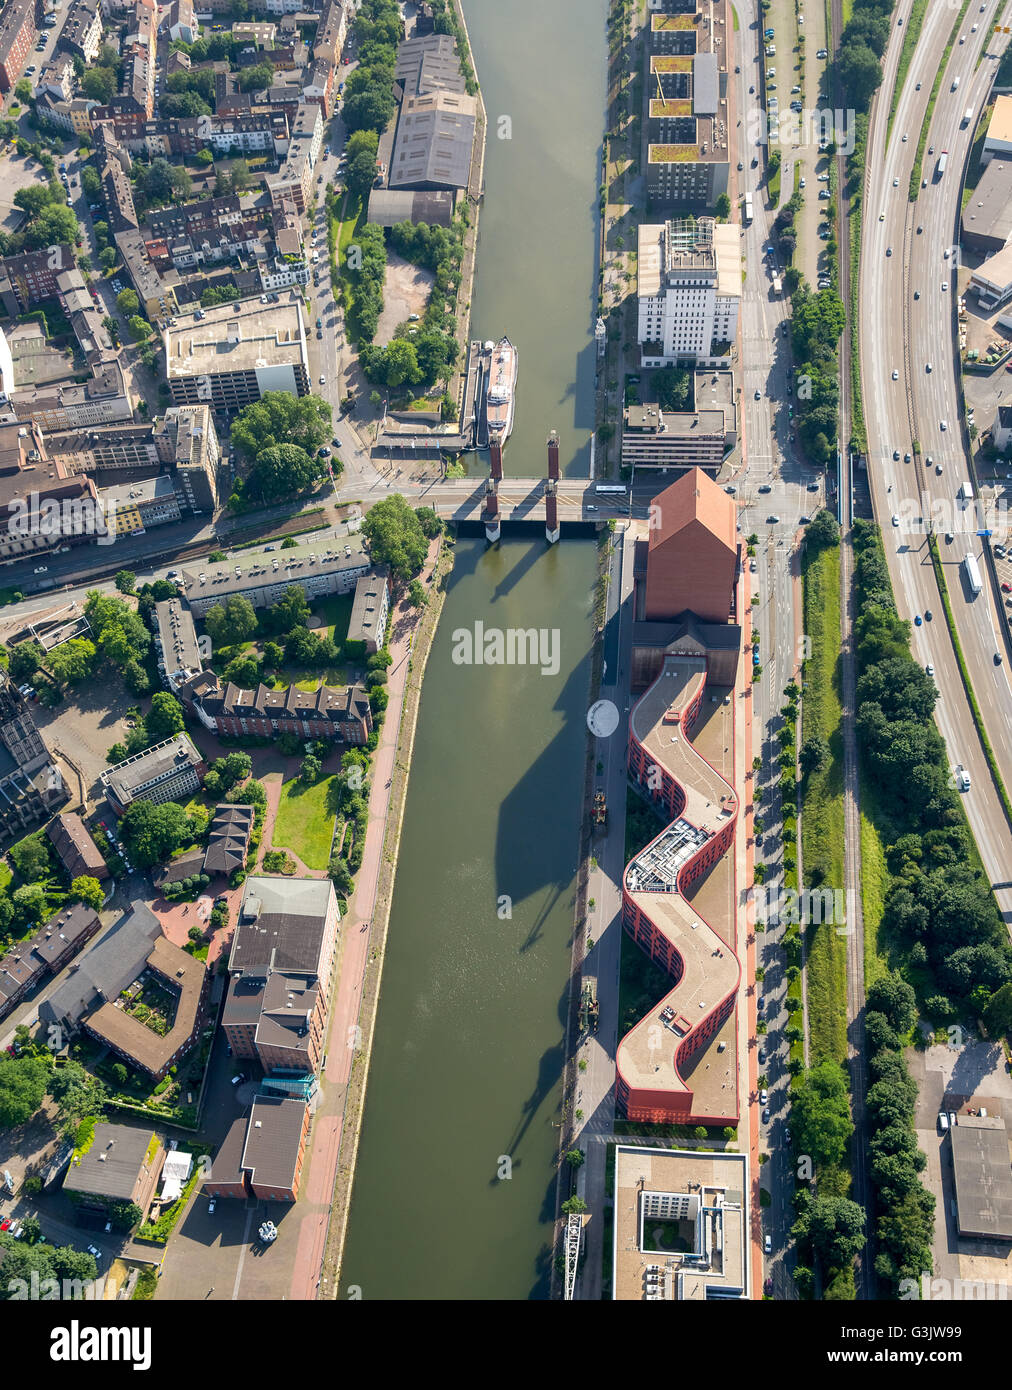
(551, 513)
(495, 456)
(492, 521)
(553, 455)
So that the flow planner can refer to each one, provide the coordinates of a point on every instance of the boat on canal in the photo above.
(502, 362)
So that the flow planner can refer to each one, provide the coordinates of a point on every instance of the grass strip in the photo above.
(822, 822)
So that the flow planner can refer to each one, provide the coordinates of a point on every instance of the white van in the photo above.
(962, 778)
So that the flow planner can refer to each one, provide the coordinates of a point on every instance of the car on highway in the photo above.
(917, 87)
(929, 670)
(896, 183)
(765, 487)
(904, 137)
(945, 285)
(94, 1250)
(881, 217)
(772, 520)
(41, 569)
(938, 469)
(768, 1245)
(917, 620)
(591, 507)
(740, 166)
(889, 250)
(927, 615)
(943, 425)
(920, 229)
(931, 149)
(896, 455)
(896, 520)
(758, 395)
(896, 375)
(927, 367)
(323, 381)
(917, 294)
(997, 658)
(801, 182)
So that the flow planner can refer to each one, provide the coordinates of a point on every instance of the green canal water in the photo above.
(465, 1079)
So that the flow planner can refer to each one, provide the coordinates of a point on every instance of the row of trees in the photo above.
(939, 910)
(368, 93)
(862, 44)
(366, 271)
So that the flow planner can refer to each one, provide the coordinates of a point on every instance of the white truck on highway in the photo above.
(972, 572)
(965, 493)
(967, 117)
(943, 159)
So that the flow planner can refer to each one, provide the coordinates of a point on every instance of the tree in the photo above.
(25, 660)
(279, 418)
(30, 903)
(671, 387)
(835, 1226)
(361, 167)
(91, 186)
(243, 671)
(576, 1158)
(87, 890)
(127, 302)
(165, 717)
(310, 770)
(282, 470)
(893, 997)
(139, 328)
(395, 537)
(56, 225)
(998, 1012)
(814, 755)
(860, 74)
(30, 857)
(108, 257)
(205, 157)
(722, 207)
(258, 78)
(340, 876)
(823, 529)
(119, 1073)
(99, 84)
(151, 833)
(273, 655)
(23, 1082)
(126, 581)
(231, 622)
(820, 1120)
(574, 1205)
(240, 176)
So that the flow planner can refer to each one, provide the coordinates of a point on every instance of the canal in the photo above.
(454, 1191)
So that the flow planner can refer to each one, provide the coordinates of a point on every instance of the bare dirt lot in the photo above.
(406, 291)
(86, 725)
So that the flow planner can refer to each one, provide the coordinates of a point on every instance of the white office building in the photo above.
(689, 291)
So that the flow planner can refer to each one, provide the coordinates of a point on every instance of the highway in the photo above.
(900, 333)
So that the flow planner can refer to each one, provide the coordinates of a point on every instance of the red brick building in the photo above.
(17, 34)
(693, 551)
